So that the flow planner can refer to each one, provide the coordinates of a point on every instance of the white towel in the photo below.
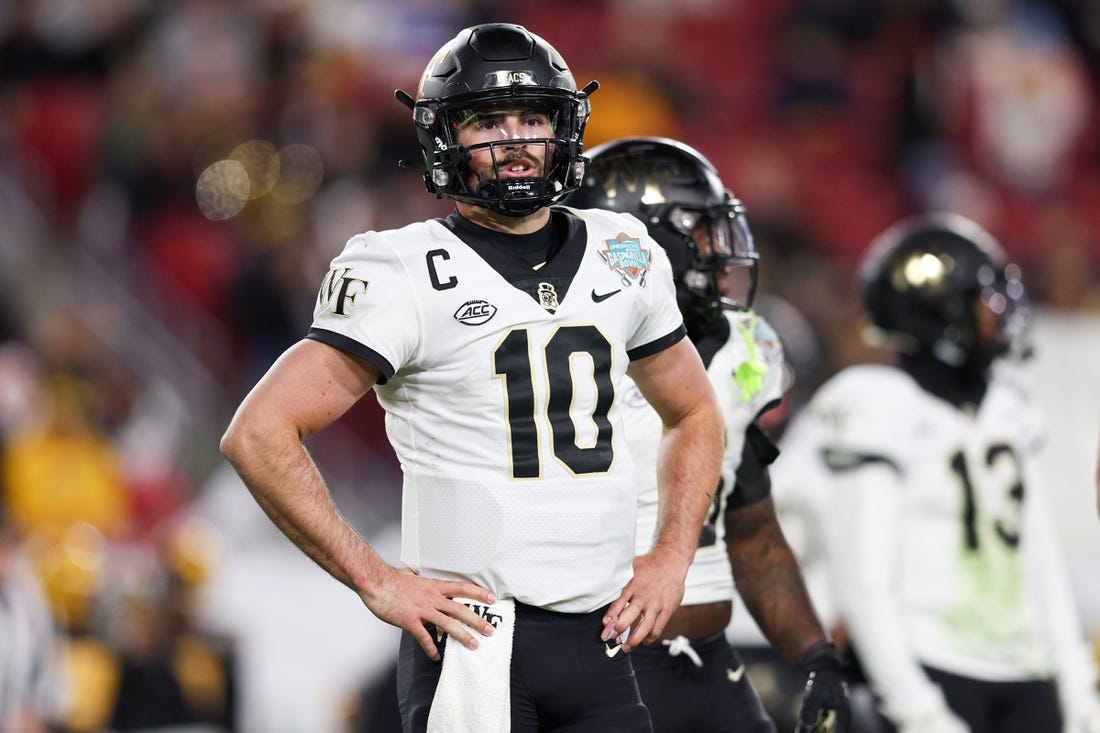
(474, 689)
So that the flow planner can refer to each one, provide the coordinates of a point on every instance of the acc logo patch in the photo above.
(475, 312)
(625, 255)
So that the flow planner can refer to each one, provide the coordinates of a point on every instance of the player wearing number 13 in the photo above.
(945, 564)
(496, 340)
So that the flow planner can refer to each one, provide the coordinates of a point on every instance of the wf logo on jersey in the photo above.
(475, 312)
(338, 291)
(625, 255)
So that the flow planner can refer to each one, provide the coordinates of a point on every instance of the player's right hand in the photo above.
(406, 600)
(825, 706)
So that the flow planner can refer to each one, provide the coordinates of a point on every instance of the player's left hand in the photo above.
(825, 706)
(648, 601)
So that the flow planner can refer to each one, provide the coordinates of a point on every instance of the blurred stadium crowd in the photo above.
(175, 177)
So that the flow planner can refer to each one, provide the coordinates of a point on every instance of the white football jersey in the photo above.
(934, 528)
(747, 374)
(499, 384)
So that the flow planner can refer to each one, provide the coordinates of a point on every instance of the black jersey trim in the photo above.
(764, 447)
(717, 336)
(640, 352)
(753, 481)
(353, 347)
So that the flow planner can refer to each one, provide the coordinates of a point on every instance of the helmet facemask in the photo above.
(984, 324)
(1004, 296)
(478, 172)
(712, 255)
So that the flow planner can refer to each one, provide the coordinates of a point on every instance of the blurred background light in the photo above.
(222, 190)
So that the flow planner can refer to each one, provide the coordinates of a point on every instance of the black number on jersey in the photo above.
(1006, 528)
(514, 363)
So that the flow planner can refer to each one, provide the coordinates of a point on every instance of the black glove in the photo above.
(825, 707)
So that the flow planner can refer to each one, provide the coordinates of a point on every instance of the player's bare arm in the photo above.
(308, 388)
(771, 584)
(675, 384)
(769, 579)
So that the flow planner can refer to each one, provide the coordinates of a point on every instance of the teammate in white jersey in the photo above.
(497, 340)
(944, 561)
(703, 230)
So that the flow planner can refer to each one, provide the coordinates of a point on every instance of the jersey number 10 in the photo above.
(517, 367)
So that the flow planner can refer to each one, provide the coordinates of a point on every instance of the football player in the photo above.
(677, 193)
(945, 564)
(497, 340)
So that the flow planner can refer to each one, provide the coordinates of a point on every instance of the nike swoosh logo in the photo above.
(735, 675)
(611, 651)
(601, 297)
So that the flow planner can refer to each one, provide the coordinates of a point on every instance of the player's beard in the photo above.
(490, 173)
(514, 194)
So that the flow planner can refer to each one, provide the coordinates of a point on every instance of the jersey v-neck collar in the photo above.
(558, 272)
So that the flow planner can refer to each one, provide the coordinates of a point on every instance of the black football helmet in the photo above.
(499, 65)
(677, 193)
(921, 279)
